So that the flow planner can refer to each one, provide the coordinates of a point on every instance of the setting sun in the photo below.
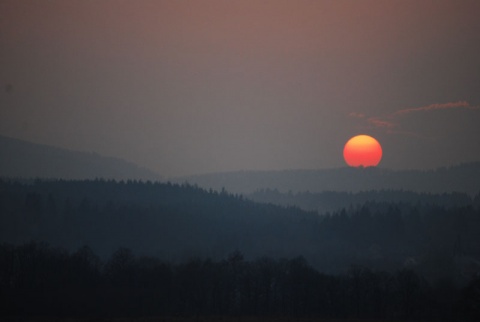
(362, 150)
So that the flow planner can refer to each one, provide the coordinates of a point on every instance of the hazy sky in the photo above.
(186, 87)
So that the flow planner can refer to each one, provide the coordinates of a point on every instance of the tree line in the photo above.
(328, 201)
(39, 280)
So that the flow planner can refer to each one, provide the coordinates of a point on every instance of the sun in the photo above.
(362, 151)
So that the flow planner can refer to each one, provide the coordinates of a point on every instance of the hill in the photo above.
(161, 219)
(462, 178)
(328, 201)
(22, 159)
(180, 250)
(178, 222)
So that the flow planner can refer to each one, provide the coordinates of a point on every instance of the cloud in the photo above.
(391, 122)
(434, 107)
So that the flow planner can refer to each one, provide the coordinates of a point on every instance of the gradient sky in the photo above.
(187, 87)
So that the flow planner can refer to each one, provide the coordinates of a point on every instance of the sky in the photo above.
(200, 86)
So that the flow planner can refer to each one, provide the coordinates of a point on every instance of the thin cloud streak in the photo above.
(390, 122)
(433, 107)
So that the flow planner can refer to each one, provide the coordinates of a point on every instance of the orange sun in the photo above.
(362, 150)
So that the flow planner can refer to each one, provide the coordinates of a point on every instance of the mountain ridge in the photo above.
(463, 178)
(24, 159)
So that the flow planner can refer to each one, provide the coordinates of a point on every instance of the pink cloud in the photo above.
(390, 122)
(433, 107)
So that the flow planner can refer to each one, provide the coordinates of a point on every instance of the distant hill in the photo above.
(22, 159)
(329, 201)
(463, 178)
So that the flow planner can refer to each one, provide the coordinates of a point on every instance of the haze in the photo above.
(186, 87)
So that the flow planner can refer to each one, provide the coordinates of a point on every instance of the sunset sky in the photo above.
(189, 87)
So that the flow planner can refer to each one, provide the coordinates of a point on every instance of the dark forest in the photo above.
(107, 248)
(37, 280)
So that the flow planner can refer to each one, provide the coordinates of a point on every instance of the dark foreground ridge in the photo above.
(39, 281)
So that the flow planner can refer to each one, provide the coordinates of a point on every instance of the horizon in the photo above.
(163, 177)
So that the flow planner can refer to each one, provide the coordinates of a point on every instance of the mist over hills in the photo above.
(328, 201)
(22, 159)
(178, 222)
(462, 178)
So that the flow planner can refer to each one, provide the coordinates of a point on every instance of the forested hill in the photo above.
(176, 222)
(161, 219)
(328, 201)
(461, 178)
(22, 159)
